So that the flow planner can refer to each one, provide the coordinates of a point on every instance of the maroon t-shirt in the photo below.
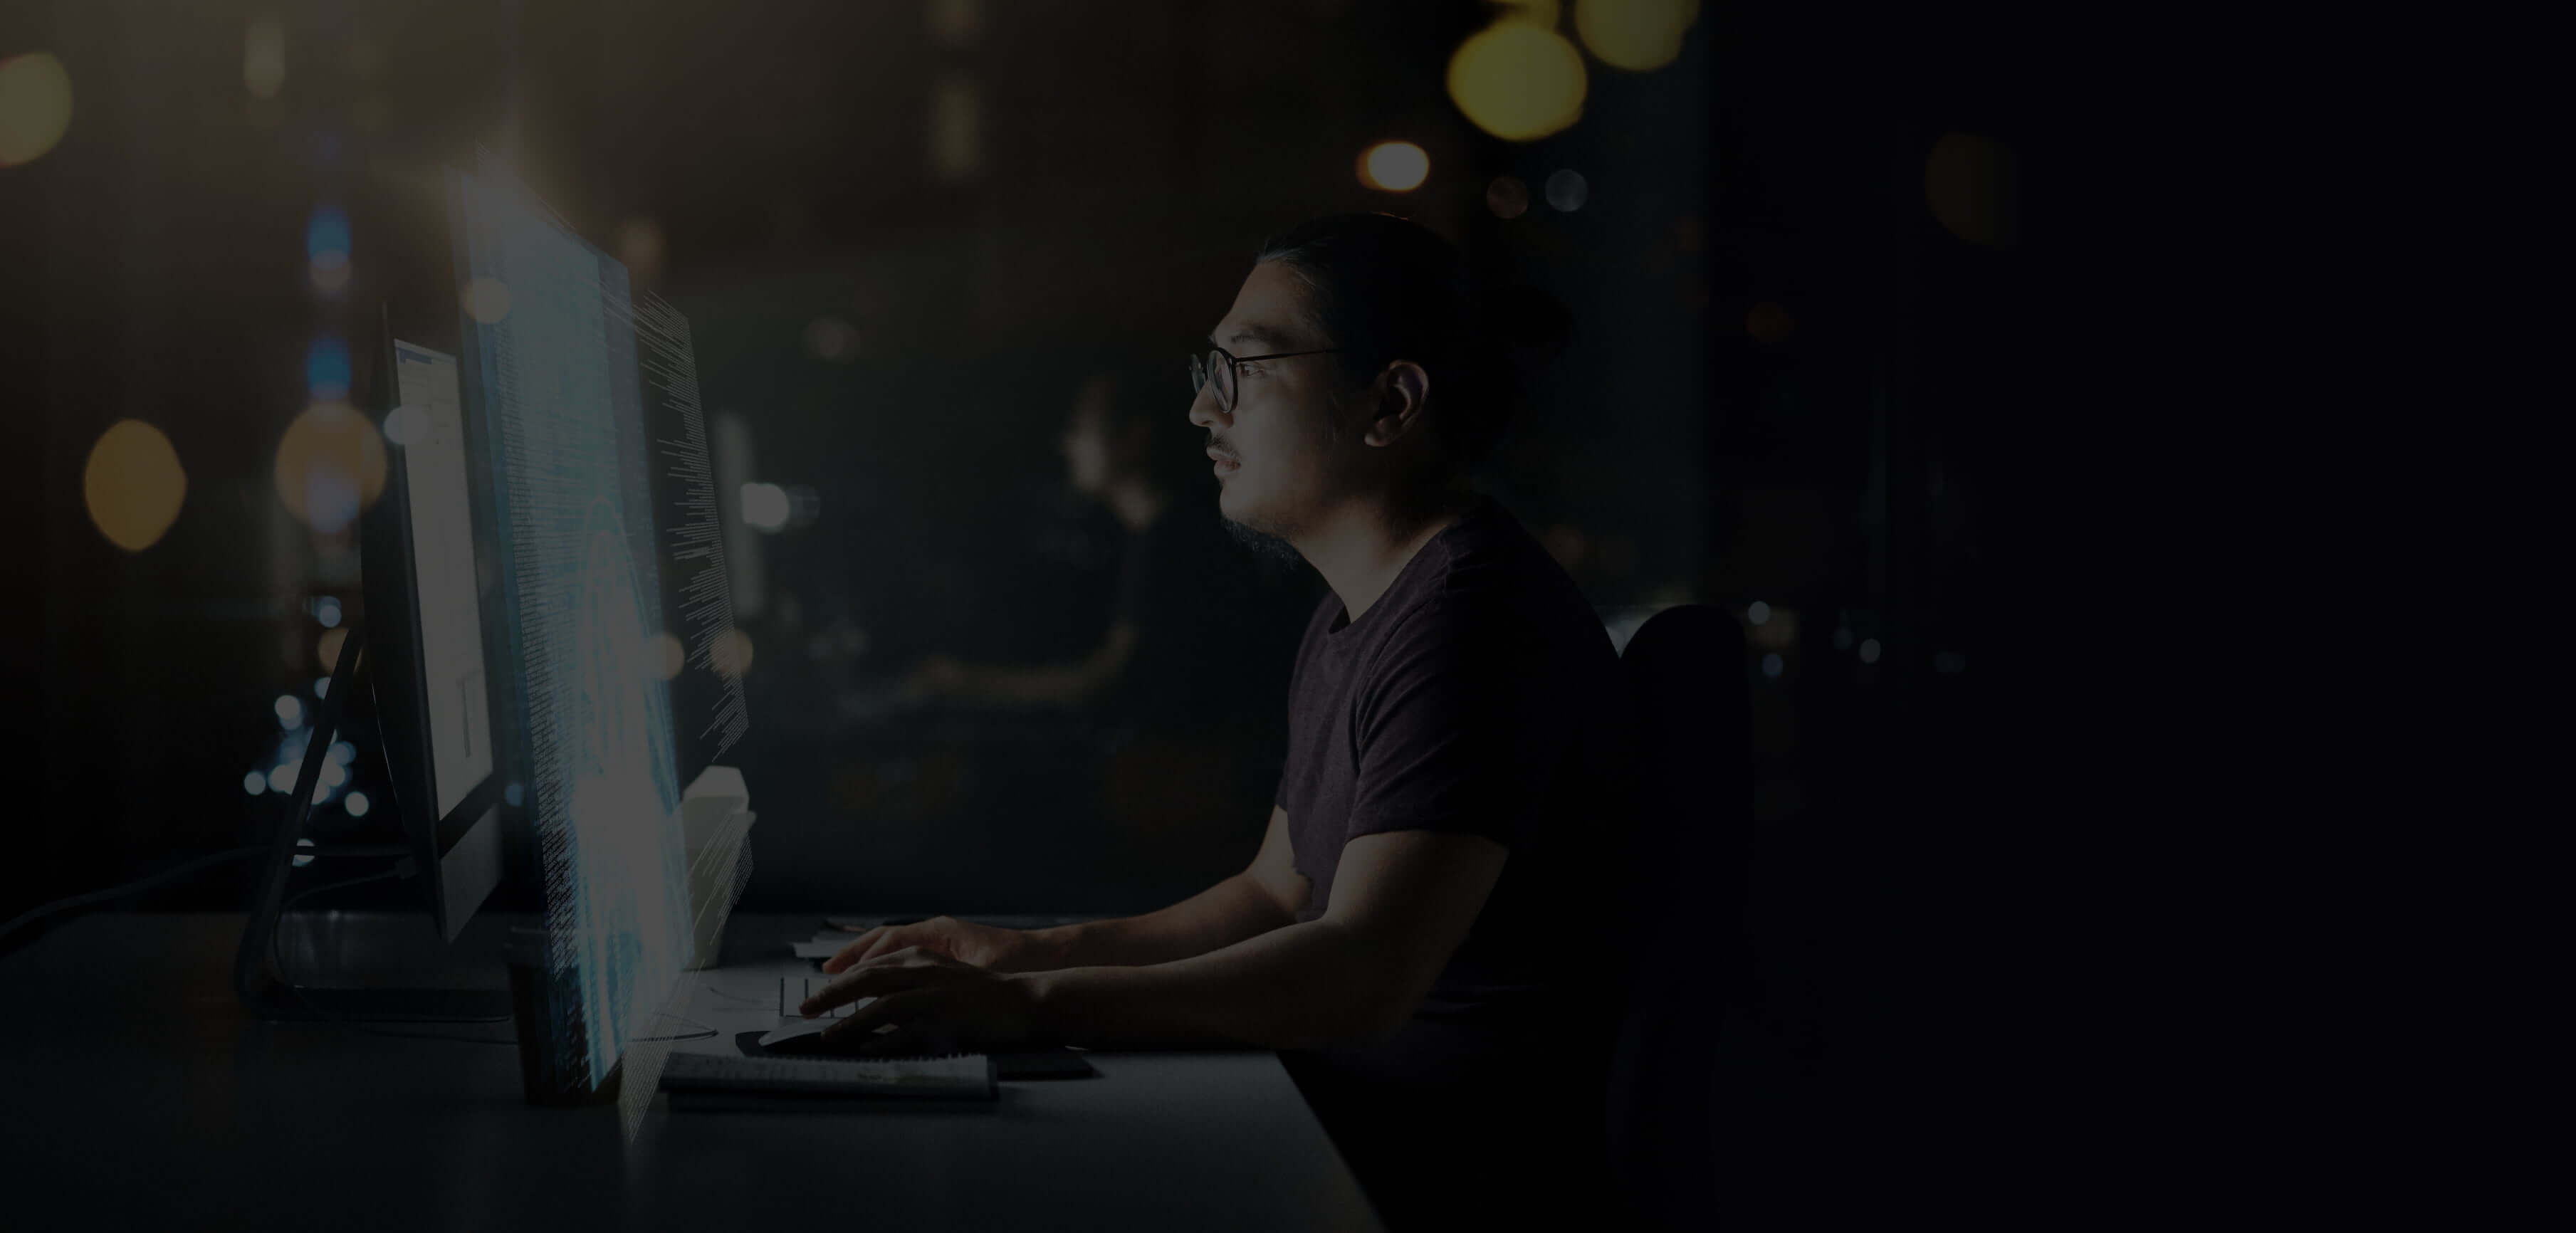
(1479, 695)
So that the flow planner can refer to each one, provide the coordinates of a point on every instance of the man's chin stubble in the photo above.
(1262, 544)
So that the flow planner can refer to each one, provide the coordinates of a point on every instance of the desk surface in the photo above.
(137, 1089)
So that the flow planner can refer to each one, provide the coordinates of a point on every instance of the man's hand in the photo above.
(984, 946)
(936, 1004)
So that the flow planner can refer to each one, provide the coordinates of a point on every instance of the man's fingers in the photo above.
(855, 952)
(863, 1023)
(895, 938)
(871, 981)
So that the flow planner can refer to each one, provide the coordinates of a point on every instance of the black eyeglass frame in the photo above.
(1234, 366)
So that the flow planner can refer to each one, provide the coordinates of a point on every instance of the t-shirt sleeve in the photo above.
(1462, 727)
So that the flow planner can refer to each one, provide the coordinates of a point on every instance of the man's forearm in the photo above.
(1220, 916)
(1300, 986)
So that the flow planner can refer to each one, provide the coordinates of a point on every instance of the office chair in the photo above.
(1690, 846)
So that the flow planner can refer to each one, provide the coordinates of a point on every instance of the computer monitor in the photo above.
(420, 637)
(561, 363)
(423, 562)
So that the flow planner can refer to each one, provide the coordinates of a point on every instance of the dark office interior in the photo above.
(914, 240)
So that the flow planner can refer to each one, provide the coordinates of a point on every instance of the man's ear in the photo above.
(1401, 391)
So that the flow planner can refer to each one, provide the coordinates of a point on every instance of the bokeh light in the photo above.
(281, 777)
(133, 484)
(765, 507)
(640, 247)
(330, 464)
(290, 711)
(1519, 82)
(254, 783)
(1395, 166)
(327, 649)
(1507, 197)
(1768, 322)
(956, 23)
(1970, 183)
(666, 656)
(487, 300)
(1567, 191)
(1637, 35)
(832, 339)
(406, 426)
(327, 611)
(731, 652)
(35, 106)
(330, 273)
(326, 370)
(264, 56)
(956, 119)
(1540, 13)
(357, 804)
(326, 250)
(1869, 650)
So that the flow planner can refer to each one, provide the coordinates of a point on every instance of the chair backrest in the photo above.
(1690, 845)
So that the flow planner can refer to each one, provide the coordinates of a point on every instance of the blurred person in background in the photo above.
(1194, 666)
(1427, 930)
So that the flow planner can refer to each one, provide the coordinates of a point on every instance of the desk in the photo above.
(137, 1090)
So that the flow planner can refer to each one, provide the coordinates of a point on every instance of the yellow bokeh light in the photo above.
(1637, 35)
(133, 484)
(731, 652)
(1517, 81)
(667, 656)
(328, 648)
(264, 56)
(1396, 166)
(1968, 179)
(35, 106)
(330, 464)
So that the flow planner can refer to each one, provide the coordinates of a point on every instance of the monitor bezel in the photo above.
(397, 675)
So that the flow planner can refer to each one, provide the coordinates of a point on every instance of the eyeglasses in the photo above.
(1218, 365)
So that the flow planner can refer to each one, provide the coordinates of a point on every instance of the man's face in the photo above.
(1290, 458)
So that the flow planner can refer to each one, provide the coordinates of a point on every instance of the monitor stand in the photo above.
(265, 991)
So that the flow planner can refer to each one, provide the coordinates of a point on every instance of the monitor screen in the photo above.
(551, 360)
(430, 426)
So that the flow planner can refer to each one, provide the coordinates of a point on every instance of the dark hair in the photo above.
(1387, 288)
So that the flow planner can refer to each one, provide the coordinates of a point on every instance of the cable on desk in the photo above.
(702, 1032)
(173, 874)
(277, 959)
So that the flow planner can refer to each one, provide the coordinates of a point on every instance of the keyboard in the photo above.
(793, 990)
(965, 1076)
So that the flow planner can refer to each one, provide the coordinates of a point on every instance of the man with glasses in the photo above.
(1423, 930)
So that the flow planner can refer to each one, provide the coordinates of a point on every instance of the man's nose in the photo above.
(1203, 409)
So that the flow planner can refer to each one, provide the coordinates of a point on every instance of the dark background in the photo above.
(1795, 381)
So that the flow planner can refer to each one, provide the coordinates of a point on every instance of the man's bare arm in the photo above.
(1265, 896)
(1401, 903)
